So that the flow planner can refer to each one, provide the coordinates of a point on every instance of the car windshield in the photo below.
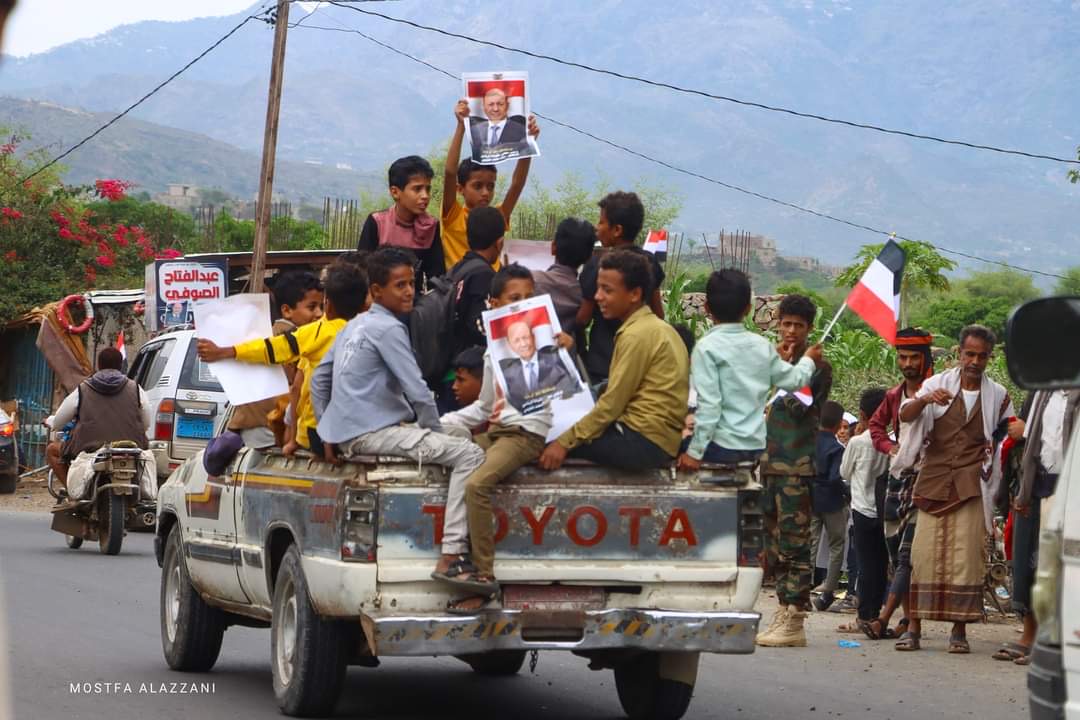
(196, 374)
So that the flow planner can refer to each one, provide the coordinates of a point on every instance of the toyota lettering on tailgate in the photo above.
(683, 526)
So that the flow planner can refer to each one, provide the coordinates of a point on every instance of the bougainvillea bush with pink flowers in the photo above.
(57, 240)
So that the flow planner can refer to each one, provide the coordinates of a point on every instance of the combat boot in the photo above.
(790, 633)
(778, 619)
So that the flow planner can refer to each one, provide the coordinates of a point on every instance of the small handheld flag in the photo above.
(656, 243)
(120, 345)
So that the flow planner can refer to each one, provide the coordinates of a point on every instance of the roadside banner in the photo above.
(174, 286)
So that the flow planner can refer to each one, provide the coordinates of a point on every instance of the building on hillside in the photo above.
(179, 196)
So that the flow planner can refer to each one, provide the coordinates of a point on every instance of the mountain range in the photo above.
(986, 71)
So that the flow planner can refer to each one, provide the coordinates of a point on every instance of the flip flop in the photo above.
(959, 646)
(909, 642)
(1022, 660)
(462, 574)
(1010, 652)
(852, 628)
(487, 602)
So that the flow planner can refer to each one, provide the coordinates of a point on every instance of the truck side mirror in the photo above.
(1042, 344)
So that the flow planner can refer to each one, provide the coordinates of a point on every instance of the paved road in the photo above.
(80, 617)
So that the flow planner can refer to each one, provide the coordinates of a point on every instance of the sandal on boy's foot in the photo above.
(823, 601)
(851, 627)
(908, 642)
(959, 646)
(900, 629)
(1010, 651)
(463, 575)
(473, 604)
(1022, 660)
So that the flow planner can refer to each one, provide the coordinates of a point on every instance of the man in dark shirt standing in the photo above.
(621, 218)
(787, 469)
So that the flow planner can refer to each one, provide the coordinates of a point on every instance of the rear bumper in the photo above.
(1046, 683)
(657, 630)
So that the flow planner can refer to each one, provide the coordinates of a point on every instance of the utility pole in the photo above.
(266, 172)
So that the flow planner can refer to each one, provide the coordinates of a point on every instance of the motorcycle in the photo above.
(114, 500)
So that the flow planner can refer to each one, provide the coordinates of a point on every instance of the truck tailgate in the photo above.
(582, 523)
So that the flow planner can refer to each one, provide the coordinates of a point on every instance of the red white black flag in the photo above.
(876, 297)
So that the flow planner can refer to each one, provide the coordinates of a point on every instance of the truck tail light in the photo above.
(163, 421)
(358, 536)
(7, 429)
(751, 528)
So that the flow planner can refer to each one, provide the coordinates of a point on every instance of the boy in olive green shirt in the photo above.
(637, 423)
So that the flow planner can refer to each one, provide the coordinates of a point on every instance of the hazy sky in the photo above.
(38, 25)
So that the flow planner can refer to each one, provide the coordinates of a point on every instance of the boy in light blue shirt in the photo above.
(733, 370)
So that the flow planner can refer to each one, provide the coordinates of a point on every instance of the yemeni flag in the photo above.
(876, 297)
(657, 244)
(121, 346)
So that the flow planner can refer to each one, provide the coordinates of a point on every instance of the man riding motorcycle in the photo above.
(106, 407)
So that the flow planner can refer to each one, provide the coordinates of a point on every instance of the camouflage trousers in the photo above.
(786, 504)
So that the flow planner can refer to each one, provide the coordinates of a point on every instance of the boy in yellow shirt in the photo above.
(346, 292)
(476, 183)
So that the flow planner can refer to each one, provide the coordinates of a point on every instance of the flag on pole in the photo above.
(120, 345)
(876, 297)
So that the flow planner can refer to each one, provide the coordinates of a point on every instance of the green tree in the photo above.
(924, 270)
(1006, 284)
(1070, 284)
(169, 227)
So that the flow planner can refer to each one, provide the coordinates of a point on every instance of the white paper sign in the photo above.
(236, 320)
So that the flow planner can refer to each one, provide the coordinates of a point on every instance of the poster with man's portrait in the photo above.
(532, 371)
(176, 313)
(498, 123)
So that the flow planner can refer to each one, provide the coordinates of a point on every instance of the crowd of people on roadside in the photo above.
(908, 484)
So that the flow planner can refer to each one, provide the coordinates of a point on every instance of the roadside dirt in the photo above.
(30, 495)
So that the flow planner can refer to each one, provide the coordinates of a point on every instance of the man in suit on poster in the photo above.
(532, 371)
(497, 129)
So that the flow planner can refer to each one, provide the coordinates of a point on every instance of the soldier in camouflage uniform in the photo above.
(787, 469)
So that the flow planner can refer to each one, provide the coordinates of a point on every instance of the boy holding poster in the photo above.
(476, 183)
(513, 439)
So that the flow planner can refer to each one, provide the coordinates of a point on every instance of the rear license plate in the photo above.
(552, 597)
(200, 428)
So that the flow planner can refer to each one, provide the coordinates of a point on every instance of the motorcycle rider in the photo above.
(106, 407)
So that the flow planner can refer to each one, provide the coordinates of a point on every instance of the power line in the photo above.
(144, 98)
(691, 173)
(713, 96)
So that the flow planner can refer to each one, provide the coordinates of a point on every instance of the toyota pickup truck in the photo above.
(635, 572)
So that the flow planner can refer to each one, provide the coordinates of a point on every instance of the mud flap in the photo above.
(68, 523)
(679, 666)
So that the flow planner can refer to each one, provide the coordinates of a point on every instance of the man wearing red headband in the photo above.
(916, 363)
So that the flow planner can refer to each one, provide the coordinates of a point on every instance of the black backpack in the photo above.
(433, 322)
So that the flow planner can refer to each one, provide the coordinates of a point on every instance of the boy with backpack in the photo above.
(476, 183)
(448, 318)
(406, 223)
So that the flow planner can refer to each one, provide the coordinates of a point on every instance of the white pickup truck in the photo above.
(636, 572)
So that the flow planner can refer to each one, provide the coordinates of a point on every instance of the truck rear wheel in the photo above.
(308, 652)
(497, 663)
(646, 694)
(191, 630)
